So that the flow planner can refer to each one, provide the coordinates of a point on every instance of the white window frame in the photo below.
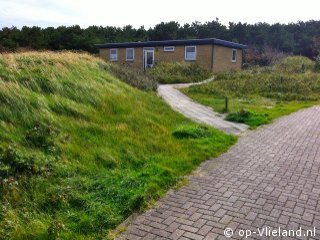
(185, 53)
(235, 55)
(168, 48)
(127, 59)
(115, 59)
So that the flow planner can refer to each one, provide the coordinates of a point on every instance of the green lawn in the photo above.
(263, 110)
(259, 95)
(80, 150)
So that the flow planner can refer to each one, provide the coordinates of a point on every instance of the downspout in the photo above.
(212, 59)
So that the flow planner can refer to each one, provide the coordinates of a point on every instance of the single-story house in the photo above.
(210, 53)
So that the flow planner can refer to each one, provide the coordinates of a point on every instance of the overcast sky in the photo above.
(137, 13)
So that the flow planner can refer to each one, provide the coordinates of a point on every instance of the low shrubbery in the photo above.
(161, 73)
(178, 73)
(290, 79)
(132, 76)
(293, 65)
(287, 85)
(250, 118)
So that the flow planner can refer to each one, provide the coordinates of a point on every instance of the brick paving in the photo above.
(270, 178)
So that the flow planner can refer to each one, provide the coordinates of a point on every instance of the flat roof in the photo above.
(203, 41)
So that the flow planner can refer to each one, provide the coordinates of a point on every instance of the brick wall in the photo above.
(214, 58)
(222, 59)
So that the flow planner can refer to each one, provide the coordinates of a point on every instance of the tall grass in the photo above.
(291, 79)
(163, 73)
(178, 73)
(80, 150)
(260, 94)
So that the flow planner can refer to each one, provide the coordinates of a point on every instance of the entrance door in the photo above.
(148, 58)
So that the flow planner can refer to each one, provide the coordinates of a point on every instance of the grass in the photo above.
(259, 95)
(162, 73)
(167, 73)
(80, 150)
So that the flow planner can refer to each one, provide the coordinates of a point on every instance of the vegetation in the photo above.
(161, 73)
(81, 150)
(134, 77)
(260, 94)
(301, 38)
(178, 73)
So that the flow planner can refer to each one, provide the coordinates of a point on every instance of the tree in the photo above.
(164, 31)
(297, 38)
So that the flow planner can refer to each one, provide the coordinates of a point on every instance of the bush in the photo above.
(178, 73)
(250, 118)
(265, 57)
(295, 64)
(132, 76)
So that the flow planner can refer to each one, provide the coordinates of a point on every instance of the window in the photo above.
(190, 53)
(168, 49)
(234, 55)
(129, 54)
(113, 54)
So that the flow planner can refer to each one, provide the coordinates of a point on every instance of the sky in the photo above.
(148, 13)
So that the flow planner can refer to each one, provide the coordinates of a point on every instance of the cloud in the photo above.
(150, 12)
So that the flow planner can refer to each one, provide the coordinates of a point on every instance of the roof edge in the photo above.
(203, 41)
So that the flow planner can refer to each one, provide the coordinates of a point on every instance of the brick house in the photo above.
(213, 54)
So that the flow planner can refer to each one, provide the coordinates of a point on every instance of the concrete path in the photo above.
(195, 111)
(269, 179)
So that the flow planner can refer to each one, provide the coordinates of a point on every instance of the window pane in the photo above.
(191, 52)
(169, 49)
(129, 54)
(234, 55)
(149, 58)
(191, 49)
(191, 55)
(113, 54)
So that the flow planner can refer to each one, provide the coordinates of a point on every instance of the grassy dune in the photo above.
(261, 94)
(81, 150)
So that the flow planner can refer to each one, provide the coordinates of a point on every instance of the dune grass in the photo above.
(261, 94)
(167, 73)
(81, 150)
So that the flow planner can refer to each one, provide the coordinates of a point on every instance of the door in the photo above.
(148, 58)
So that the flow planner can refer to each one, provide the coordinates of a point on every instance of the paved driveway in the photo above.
(269, 179)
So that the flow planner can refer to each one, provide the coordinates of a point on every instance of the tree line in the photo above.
(301, 38)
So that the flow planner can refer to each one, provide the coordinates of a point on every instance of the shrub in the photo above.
(178, 73)
(294, 64)
(134, 77)
(250, 118)
(265, 57)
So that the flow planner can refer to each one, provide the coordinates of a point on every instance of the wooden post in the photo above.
(226, 107)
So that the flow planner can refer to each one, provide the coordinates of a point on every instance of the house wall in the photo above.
(203, 58)
(222, 59)
(137, 62)
(211, 57)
